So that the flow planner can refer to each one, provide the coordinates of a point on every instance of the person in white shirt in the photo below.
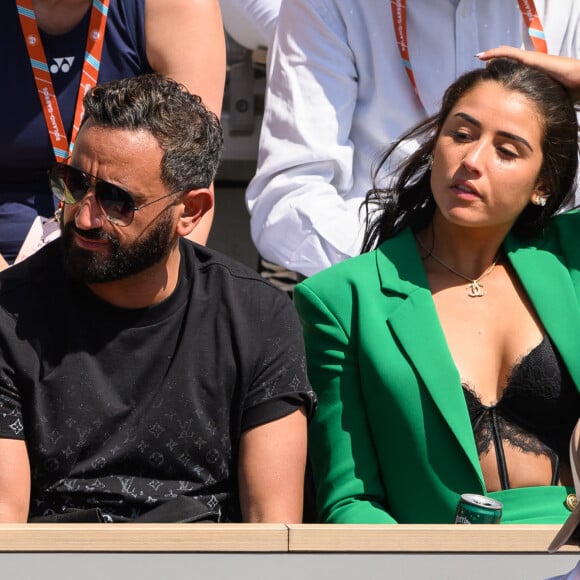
(250, 23)
(338, 93)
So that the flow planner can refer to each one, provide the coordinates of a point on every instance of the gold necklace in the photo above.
(475, 287)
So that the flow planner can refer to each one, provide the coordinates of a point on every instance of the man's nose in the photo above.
(89, 214)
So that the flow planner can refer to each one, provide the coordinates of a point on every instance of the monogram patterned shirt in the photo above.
(125, 409)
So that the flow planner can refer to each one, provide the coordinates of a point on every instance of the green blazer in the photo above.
(391, 440)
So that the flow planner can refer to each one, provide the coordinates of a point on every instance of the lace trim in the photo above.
(536, 413)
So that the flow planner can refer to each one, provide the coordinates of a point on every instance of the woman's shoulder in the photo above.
(562, 234)
(339, 289)
(392, 262)
(348, 273)
(385, 260)
(566, 219)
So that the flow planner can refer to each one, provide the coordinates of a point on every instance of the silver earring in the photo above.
(429, 159)
(540, 200)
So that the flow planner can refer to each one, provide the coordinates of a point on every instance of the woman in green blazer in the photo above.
(446, 359)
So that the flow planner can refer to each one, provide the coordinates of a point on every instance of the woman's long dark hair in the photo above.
(407, 200)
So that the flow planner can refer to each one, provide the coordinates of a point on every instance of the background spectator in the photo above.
(179, 38)
(339, 90)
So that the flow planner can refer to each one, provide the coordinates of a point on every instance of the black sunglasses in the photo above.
(70, 185)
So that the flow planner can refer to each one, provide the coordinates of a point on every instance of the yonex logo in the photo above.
(62, 64)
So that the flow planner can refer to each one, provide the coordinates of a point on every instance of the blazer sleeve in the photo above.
(342, 454)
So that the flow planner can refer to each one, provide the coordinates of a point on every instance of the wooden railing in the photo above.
(278, 551)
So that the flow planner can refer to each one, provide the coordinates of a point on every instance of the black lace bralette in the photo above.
(537, 412)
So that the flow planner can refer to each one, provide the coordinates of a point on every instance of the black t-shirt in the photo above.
(125, 409)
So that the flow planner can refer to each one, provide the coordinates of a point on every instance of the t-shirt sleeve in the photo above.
(280, 384)
(11, 420)
(11, 424)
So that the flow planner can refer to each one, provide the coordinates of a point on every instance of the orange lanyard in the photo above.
(90, 72)
(535, 29)
(399, 11)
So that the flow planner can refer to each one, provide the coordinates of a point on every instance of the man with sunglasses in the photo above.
(144, 377)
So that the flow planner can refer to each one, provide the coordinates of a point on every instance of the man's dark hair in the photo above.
(189, 134)
(409, 201)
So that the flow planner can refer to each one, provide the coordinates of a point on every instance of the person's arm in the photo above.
(15, 478)
(250, 23)
(301, 217)
(14, 481)
(564, 69)
(185, 41)
(349, 487)
(271, 473)
(276, 405)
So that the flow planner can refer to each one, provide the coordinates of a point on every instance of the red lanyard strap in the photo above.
(399, 12)
(89, 75)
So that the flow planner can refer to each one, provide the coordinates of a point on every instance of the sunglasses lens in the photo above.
(117, 204)
(68, 184)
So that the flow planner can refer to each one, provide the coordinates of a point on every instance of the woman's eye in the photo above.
(461, 136)
(505, 152)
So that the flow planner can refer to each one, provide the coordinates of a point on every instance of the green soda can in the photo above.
(477, 509)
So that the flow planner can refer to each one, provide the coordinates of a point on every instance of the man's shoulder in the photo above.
(33, 275)
(210, 265)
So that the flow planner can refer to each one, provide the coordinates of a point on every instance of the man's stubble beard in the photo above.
(92, 268)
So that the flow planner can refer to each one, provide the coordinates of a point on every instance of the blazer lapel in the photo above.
(414, 321)
(548, 284)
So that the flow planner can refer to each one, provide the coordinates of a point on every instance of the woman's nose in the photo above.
(474, 157)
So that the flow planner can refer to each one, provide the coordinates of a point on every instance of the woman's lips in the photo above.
(465, 190)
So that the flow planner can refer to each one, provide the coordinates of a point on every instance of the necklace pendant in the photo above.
(475, 289)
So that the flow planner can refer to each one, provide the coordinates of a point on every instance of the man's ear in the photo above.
(194, 205)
